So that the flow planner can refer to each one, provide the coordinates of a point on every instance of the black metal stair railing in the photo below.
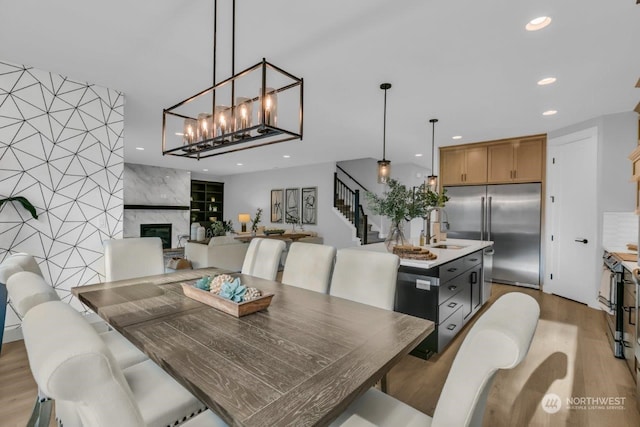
(347, 201)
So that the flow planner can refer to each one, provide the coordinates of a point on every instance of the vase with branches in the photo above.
(400, 203)
(256, 221)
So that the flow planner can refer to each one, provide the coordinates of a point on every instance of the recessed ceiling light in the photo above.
(286, 156)
(538, 23)
(140, 148)
(456, 137)
(549, 113)
(547, 81)
(419, 155)
(205, 170)
(239, 164)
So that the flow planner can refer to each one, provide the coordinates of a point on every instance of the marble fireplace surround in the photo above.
(154, 195)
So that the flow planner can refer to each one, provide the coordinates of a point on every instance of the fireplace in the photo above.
(163, 231)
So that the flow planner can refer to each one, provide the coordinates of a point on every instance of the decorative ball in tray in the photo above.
(274, 231)
(227, 294)
(414, 252)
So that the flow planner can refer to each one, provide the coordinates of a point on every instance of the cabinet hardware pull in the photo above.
(452, 304)
(451, 270)
(451, 327)
(473, 259)
(453, 288)
(515, 174)
(474, 277)
(624, 343)
(629, 310)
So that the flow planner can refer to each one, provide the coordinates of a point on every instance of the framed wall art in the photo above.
(292, 206)
(310, 205)
(277, 205)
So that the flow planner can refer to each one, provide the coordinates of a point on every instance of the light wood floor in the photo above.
(569, 356)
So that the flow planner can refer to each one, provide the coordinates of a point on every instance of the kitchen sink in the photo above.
(444, 246)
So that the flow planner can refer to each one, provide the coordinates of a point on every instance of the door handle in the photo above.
(630, 311)
(489, 219)
(483, 224)
(585, 241)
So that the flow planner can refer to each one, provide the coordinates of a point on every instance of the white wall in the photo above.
(617, 138)
(62, 149)
(247, 192)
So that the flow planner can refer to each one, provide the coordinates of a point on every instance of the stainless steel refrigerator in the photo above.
(507, 214)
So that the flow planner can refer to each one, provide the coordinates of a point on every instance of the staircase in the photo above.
(347, 201)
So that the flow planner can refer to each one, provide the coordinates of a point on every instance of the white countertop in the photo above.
(444, 255)
(629, 265)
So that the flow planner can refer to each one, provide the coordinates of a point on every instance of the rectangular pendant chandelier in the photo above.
(261, 105)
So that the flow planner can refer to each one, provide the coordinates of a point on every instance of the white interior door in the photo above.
(573, 255)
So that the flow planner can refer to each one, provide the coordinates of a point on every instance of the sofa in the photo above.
(222, 252)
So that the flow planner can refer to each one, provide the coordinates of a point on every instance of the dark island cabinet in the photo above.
(449, 295)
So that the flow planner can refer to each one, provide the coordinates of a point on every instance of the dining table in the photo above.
(300, 362)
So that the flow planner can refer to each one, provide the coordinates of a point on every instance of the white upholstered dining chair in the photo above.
(89, 387)
(27, 290)
(263, 258)
(365, 276)
(309, 266)
(499, 339)
(133, 257)
(23, 261)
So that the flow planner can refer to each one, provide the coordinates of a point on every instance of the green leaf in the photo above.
(400, 203)
(24, 202)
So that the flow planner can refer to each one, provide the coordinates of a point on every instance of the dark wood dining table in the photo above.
(300, 362)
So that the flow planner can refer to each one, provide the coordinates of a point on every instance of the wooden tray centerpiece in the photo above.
(414, 252)
(227, 294)
(277, 231)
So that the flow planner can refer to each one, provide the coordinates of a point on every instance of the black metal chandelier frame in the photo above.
(238, 139)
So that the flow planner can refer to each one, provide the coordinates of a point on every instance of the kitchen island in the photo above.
(448, 290)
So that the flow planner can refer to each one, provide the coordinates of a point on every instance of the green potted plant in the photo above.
(221, 228)
(24, 202)
(401, 204)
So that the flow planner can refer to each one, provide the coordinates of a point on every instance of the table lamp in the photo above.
(243, 219)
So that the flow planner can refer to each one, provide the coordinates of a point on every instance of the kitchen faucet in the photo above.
(443, 221)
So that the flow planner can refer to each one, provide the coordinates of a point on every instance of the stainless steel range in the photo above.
(611, 297)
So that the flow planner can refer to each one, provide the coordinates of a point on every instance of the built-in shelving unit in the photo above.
(207, 201)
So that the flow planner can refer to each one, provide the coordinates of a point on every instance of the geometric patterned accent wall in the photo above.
(61, 147)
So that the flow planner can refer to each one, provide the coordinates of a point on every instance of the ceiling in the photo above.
(470, 64)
